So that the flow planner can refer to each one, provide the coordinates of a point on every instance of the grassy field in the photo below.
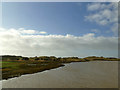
(16, 68)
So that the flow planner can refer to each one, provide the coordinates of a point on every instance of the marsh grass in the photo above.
(17, 68)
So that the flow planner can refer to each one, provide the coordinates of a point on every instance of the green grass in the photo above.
(12, 69)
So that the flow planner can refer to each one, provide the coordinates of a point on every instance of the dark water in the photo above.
(97, 74)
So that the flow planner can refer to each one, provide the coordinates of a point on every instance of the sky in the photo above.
(59, 28)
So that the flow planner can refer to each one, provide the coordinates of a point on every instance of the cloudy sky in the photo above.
(59, 29)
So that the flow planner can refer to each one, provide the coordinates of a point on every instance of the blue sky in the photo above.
(59, 29)
(54, 18)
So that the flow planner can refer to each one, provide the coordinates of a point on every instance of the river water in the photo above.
(94, 74)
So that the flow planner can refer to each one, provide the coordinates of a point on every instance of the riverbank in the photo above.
(16, 69)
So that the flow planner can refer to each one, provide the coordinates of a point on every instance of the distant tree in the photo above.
(25, 58)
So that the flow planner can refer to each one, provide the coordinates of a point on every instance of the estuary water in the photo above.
(94, 74)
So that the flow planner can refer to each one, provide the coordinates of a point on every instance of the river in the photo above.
(94, 74)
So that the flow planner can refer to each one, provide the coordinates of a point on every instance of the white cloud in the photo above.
(21, 31)
(114, 28)
(13, 42)
(28, 31)
(43, 32)
(103, 14)
(95, 6)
